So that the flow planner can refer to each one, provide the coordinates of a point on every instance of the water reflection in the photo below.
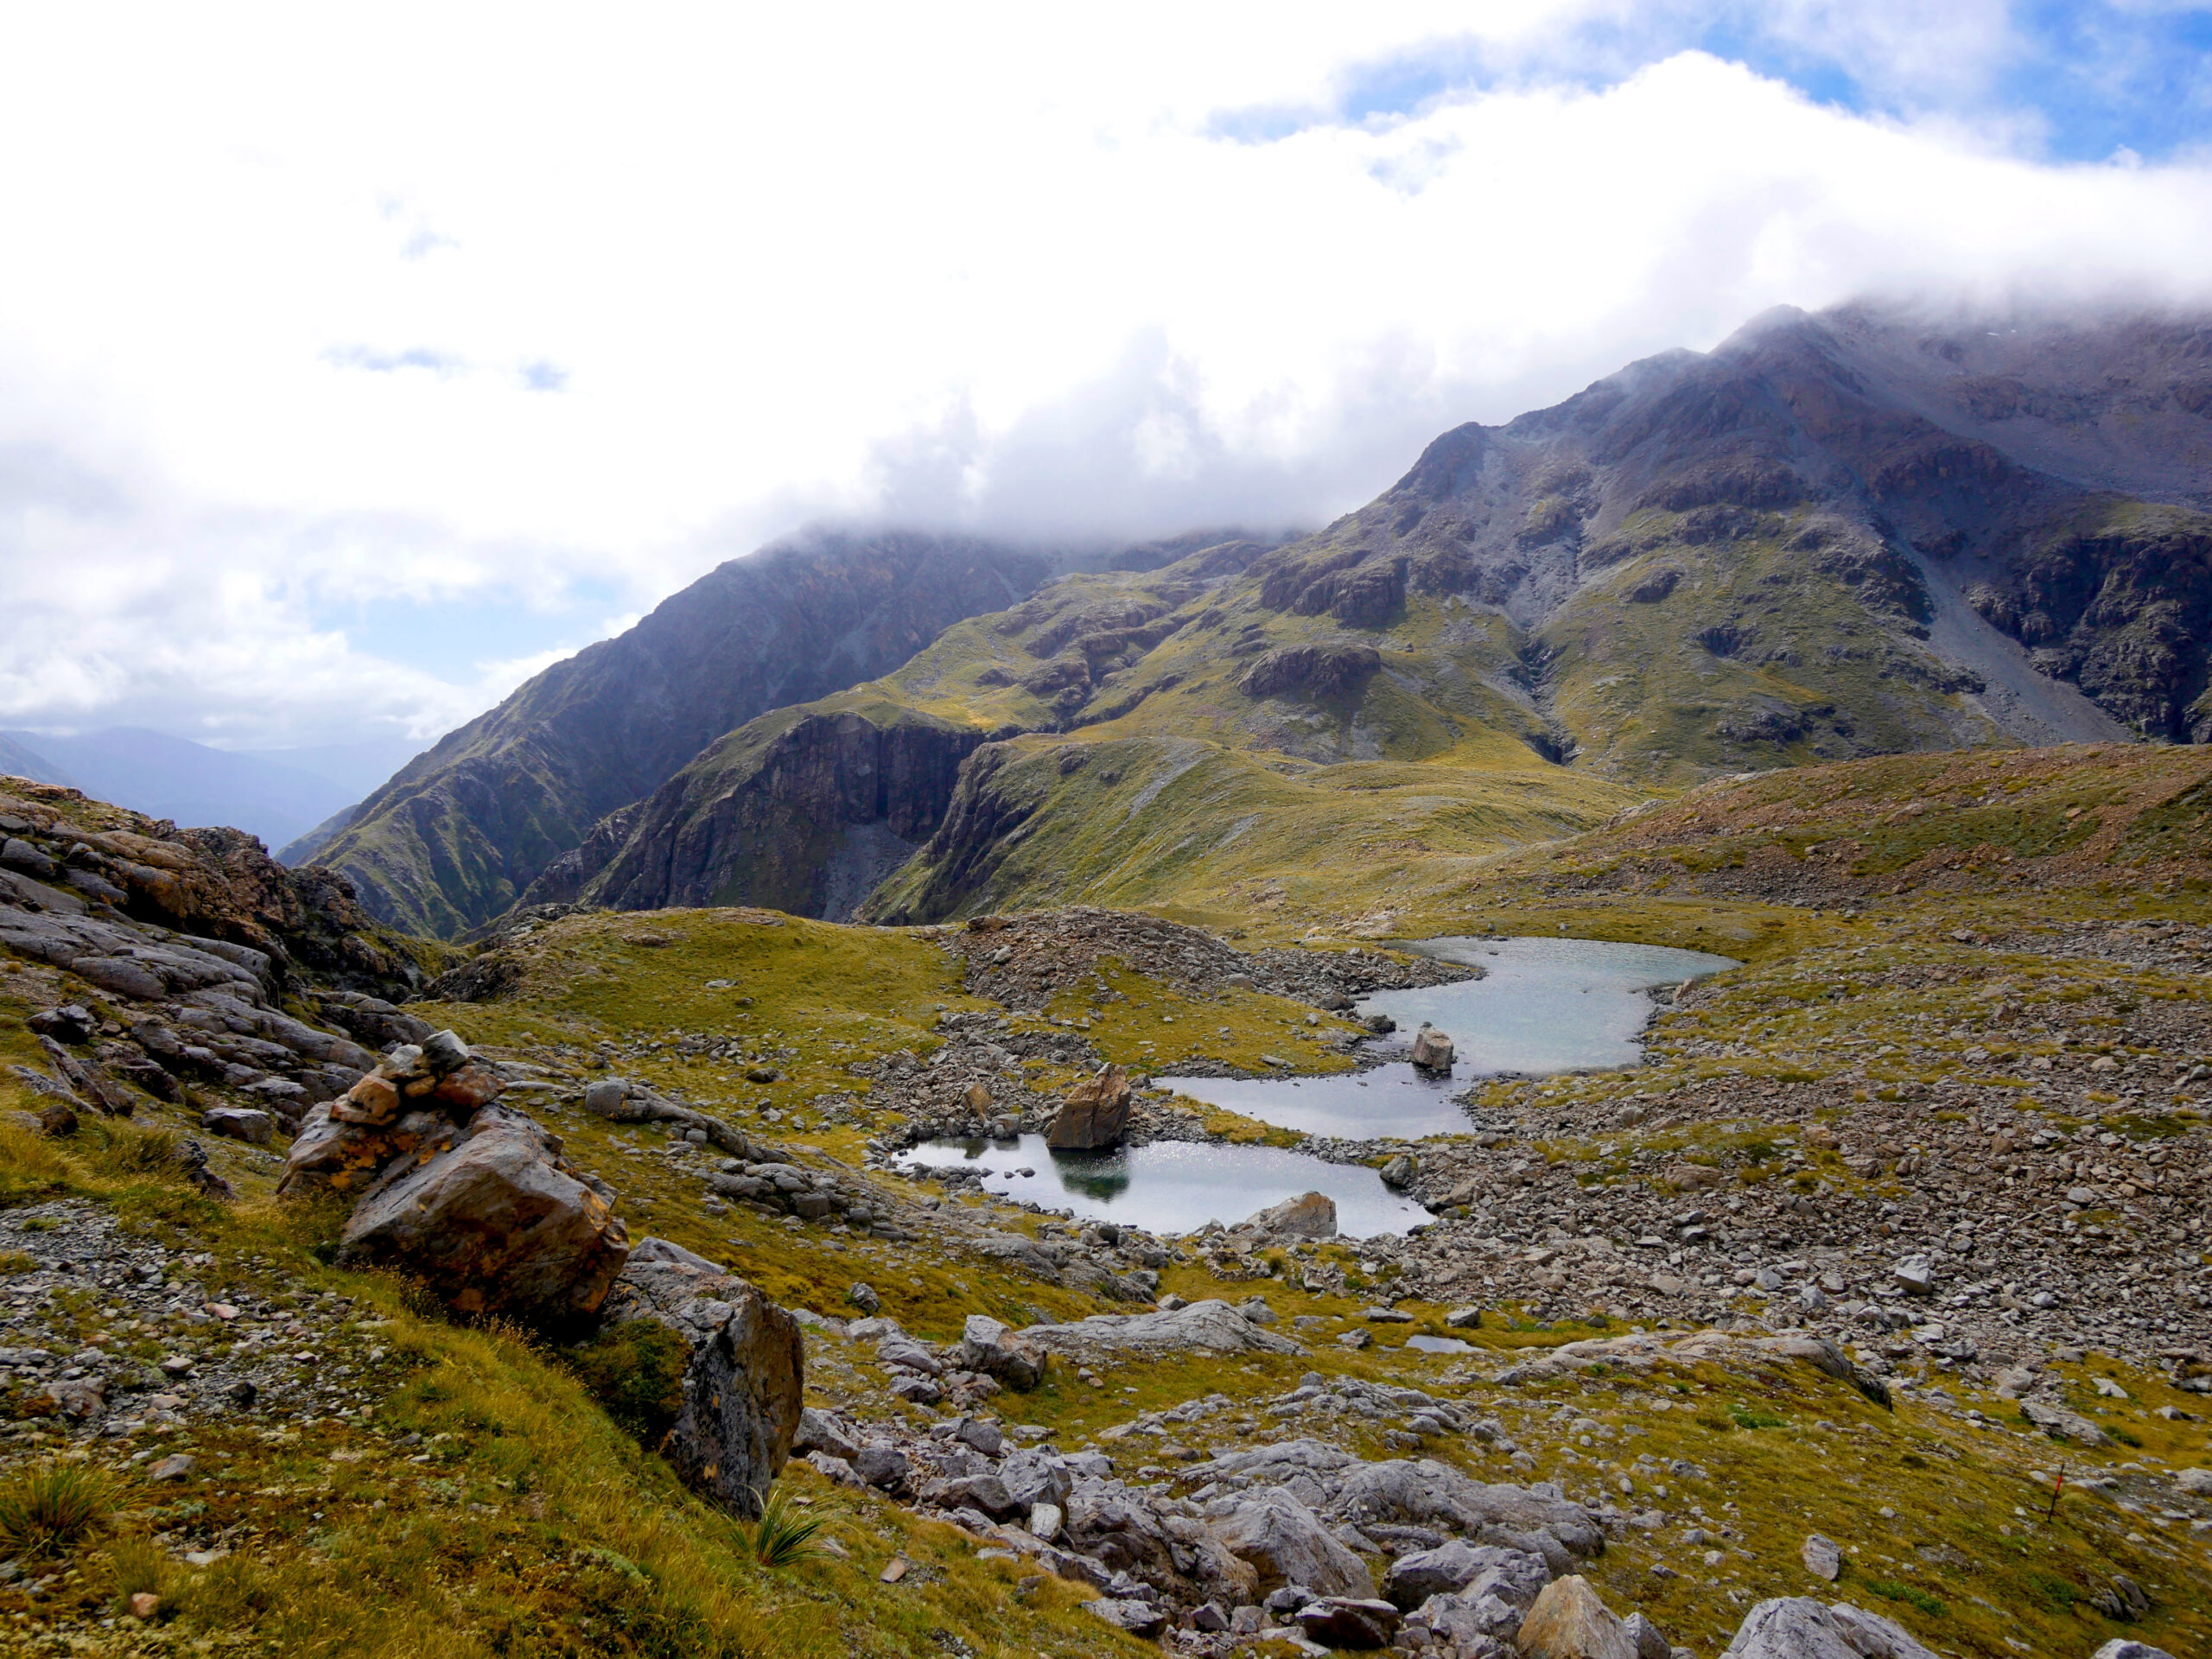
(1174, 1186)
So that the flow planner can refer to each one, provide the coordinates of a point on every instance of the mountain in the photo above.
(18, 761)
(457, 834)
(166, 776)
(1868, 531)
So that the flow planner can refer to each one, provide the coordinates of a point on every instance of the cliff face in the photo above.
(802, 811)
(453, 839)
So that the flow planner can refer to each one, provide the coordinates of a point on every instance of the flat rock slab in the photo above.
(1211, 1327)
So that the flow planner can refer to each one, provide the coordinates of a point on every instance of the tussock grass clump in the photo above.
(782, 1535)
(127, 1149)
(46, 1509)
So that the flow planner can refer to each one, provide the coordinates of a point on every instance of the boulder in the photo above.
(1357, 1623)
(2121, 1648)
(1650, 1640)
(1797, 1627)
(2061, 1424)
(494, 1221)
(1431, 1050)
(1310, 1215)
(823, 1431)
(1469, 1622)
(1516, 1577)
(985, 1492)
(1284, 1542)
(1916, 1276)
(1037, 1477)
(239, 1123)
(1823, 1555)
(882, 1465)
(621, 1100)
(991, 1348)
(1095, 1115)
(1143, 1619)
(1569, 1621)
(743, 1383)
(1401, 1171)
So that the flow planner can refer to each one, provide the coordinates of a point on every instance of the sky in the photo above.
(355, 364)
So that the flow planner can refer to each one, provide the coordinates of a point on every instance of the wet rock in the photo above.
(988, 1347)
(1431, 1050)
(496, 1222)
(1797, 1627)
(1569, 1621)
(1095, 1115)
(1310, 1215)
(1356, 1624)
(743, 1383)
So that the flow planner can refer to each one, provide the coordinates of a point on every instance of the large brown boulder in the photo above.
(1568, 1621)
(493, 1219)
(1095, 1115)
(743, 1383)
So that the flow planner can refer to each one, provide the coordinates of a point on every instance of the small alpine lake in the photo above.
(1542, 1006)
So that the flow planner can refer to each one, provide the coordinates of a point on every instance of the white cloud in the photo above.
(464, 308)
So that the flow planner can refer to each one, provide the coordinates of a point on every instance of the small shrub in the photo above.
(781, 1537)
(1893, 1591)
(47, 1507)
(636, 1371)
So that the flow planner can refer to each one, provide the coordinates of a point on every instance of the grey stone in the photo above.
(823, 1431)
(1142, 1618)
(444, 1051)
(1284, 1542)
(1358, 1624)
(1916, 1276)
(1034, 1478)
(239, 1123)
(1651, 1641)
(1310, 1215)
(1797, 1627)
(2061, 1424)
(1823, 1557)
(988, 1346)
(1209, 1326)
(882, 1465)
(2123, 1648)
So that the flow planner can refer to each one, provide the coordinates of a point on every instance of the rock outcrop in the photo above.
(1095, 1115)
(471, 1196)
(1797, 1627)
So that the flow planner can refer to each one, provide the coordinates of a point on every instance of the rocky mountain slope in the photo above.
(1782, 1338)
(451, 840)
(1864, 533)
